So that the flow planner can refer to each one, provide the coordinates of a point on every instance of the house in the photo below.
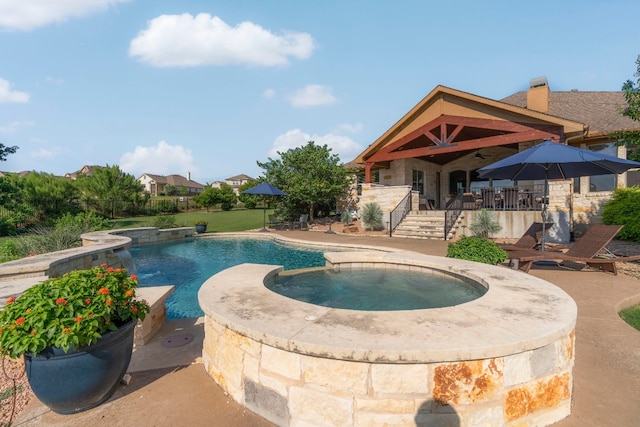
(235, 182)
(436, 148)
(85, 170)
(155, 184)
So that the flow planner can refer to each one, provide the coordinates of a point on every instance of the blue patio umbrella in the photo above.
(264, 189)
(552, 160)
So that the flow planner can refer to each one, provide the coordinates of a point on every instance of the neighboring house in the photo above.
(155, 184)
(85, 170)
(235, 182)
(437, 147)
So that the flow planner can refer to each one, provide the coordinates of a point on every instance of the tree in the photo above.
(109, 185)
(310, 175)
(631, 138)
(5, 151)
(207, 198)
(227, 197)
(50, 196)
(249, 201)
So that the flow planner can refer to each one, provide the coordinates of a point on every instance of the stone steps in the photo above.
(422, 225)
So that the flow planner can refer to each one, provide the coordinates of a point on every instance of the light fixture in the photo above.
(478, 155)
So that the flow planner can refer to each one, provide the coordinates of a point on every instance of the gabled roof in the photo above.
(442, 101)
(241, 177)
(175, 180)
(601, 111)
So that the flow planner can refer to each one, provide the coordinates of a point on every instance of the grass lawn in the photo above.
(218, 221)
(631, 315)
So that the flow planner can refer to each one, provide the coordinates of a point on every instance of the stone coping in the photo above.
(519, 312)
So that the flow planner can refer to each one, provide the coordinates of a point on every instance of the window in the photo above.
(603, 182)
(418, 181)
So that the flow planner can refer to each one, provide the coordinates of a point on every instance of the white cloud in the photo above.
(15, 126)
(163, 159)
(351, 128)
(189, 41)
(312, 95)
(45, 153)
(269, 93)
(29, 14)
(8, 95)
(346, 148)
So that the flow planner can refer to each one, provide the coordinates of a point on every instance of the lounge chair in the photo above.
(530, 239)
(301, 223)
(587, 250)
(274, 222)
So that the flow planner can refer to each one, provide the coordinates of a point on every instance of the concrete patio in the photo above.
(169, 385)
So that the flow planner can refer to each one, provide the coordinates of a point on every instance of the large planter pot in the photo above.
(83, 378)
(201, 228)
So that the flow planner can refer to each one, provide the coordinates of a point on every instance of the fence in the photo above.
(110, 208)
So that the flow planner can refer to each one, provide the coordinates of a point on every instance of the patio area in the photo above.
(169, 385)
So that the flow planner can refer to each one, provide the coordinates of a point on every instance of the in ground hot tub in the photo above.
(504, 358)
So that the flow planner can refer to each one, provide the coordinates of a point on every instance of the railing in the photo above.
(452, 212)
(399, 212)
(511, 198)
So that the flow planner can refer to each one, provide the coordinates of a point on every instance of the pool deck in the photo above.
(169, 386)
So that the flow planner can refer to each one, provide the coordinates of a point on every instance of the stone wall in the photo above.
(530, 388)
(290, 376)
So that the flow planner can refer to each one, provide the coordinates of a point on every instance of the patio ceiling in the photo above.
(448, 138)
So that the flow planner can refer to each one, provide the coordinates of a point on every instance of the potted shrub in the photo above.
(201, 226)
(75, 333)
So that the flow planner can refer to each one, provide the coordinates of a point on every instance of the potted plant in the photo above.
(75, 333)
(201, 226)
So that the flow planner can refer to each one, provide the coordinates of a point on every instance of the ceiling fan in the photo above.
(479, 155)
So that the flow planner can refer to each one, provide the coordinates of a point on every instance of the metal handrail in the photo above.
(452, 212)
(399, 213)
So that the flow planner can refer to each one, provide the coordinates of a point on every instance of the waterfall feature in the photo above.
(127, 260)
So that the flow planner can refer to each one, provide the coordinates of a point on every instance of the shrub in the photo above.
(346, 218)
(86, 221)
(164, 221)
(372, 216)
(477, 249)
(623, 209)
(485, 224)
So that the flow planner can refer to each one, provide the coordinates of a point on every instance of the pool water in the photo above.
(376, 289)
(187, 265)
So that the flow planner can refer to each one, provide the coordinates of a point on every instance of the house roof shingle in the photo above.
(601, 111)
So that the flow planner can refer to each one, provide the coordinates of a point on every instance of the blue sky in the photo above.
(211, 87)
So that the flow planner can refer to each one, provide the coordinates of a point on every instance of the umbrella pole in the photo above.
(544, 208)
(264, 216)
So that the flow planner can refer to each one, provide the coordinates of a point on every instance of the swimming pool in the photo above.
(187, 265)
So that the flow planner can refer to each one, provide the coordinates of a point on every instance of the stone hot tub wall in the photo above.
(292, 376)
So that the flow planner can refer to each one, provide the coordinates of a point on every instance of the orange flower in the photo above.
(110, 270)
(134, 309)
(20, 320)
(87, 301)
(108, 302)
(66, 330)
(33, 332)
(10, 300)
(134, 277)
(118, 270)
(129, 293)
(103, 265)
(61, 301)
(78, 319)
(99, 275)
(104, 291)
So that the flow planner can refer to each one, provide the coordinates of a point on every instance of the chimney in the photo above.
(188, 176)
(538, 95)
